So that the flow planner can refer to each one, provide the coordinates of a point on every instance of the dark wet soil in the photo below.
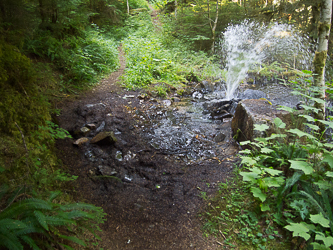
(152, 199)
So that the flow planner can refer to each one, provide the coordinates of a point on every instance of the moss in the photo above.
(319, 62)
(323, 27)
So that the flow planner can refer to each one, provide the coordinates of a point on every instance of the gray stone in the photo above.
(104, 138)
(101, 127)
(208, 86)
(252, 94)
(256, 111)
(106, 170)
(219, 137)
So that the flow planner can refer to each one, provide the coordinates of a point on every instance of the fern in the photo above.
(21, 219)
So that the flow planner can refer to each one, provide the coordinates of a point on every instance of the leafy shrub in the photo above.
(82, 59)
(292, 179)
(151, 59)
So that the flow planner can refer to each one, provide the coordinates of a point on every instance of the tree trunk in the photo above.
(320, 57)
(213, 24)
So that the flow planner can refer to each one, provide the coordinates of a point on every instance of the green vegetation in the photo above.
(52, 48)
(158, 57)
(289, 176)
(48, 49)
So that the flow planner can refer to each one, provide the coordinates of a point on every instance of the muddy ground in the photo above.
(152, 198)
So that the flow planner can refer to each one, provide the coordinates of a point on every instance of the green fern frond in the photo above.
(79, 206)
(10, 241)
(27, 205)
(10, 224)
(313, 202)
(76, 214)
(67, 247)
(3, 190)
(54, 195)
(41, 219)
(73, 239)
(30, 242)
(58, 221)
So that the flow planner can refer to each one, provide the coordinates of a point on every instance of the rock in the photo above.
(101, 127)
(222, 116)
(104, 138)
(81, 141)
(219, 137)
(208, 86)
(197, 95)
(91, 126)
(256, 111)
(252, 94)
(166, 103)
(216, 103)
(106, 170)
(84, 130)
(176, 99)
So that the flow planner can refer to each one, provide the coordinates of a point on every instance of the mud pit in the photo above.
(155, 192)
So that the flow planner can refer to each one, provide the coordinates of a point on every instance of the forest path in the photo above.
(153, 200)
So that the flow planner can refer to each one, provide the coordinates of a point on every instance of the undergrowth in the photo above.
(286, 183)
(154, 56)
(234, 218)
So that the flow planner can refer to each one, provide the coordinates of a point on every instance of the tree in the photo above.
(319, 61)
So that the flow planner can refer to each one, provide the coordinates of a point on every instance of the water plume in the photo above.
(249, 44)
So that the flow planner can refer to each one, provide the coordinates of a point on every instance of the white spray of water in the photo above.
(250, 43)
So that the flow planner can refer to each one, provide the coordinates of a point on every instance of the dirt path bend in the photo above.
(151, 197)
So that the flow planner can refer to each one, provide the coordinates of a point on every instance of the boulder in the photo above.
(81, 141)
(106, 170)
(256, 111)
(104, 138)
(252, 94)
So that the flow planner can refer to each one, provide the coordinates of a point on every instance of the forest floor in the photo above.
(151, 199)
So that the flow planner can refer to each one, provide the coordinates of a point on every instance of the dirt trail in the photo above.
(156, 201)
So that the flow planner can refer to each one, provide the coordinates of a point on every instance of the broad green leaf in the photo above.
(329, 159)
(329, 174)
(274, 136)
(317, 246)
(308, 118)
(318, 100)
(306, 107)
(320, 219)
(264, 207)
(328, 123)
(279, 123)
(261, 127)
(328, 241)
(245, 143)
(301, 165)
(273, 181)
(266, 150)
(246, 151)
(288, 109)
(257, 193)
(300, 133)
(249, 161)
(249, 176)
(312, 126)
(299, 229)
(328, 145)
(2, 169)
(256, 170)
(325, 185)
(273, 171)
